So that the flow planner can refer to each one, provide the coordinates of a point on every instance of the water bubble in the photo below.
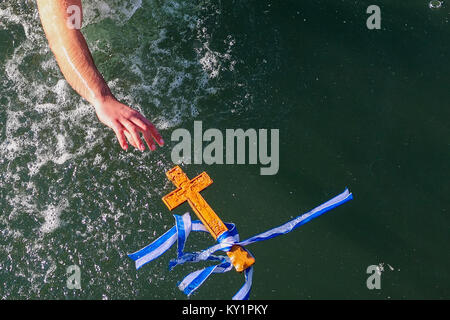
(435, 4)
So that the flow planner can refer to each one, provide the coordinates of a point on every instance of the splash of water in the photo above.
(61, 180)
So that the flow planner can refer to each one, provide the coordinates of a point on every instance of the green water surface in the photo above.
(357, 108)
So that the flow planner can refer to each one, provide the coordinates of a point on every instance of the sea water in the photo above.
(358, 108)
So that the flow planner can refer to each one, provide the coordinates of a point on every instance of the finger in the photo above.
(134, 132)
(149, 140)
(145, 128)
(130, 138)
(142, 122)
(119, 131)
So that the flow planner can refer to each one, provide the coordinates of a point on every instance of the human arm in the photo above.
(77, 65)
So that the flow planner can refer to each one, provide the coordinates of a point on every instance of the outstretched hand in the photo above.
(76, 63)
(127, 124)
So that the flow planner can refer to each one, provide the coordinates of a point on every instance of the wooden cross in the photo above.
(189, 190)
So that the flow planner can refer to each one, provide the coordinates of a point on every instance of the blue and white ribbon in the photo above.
(184, 225)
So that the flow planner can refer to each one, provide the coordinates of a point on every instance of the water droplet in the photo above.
(435, 4)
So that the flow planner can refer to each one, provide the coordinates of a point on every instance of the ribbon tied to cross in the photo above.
(226, 235)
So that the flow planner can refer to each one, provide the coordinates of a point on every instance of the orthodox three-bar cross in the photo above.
(189, 190)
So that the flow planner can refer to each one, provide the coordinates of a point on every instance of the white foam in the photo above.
(95, 11)
(213, 62)
(51, 215)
